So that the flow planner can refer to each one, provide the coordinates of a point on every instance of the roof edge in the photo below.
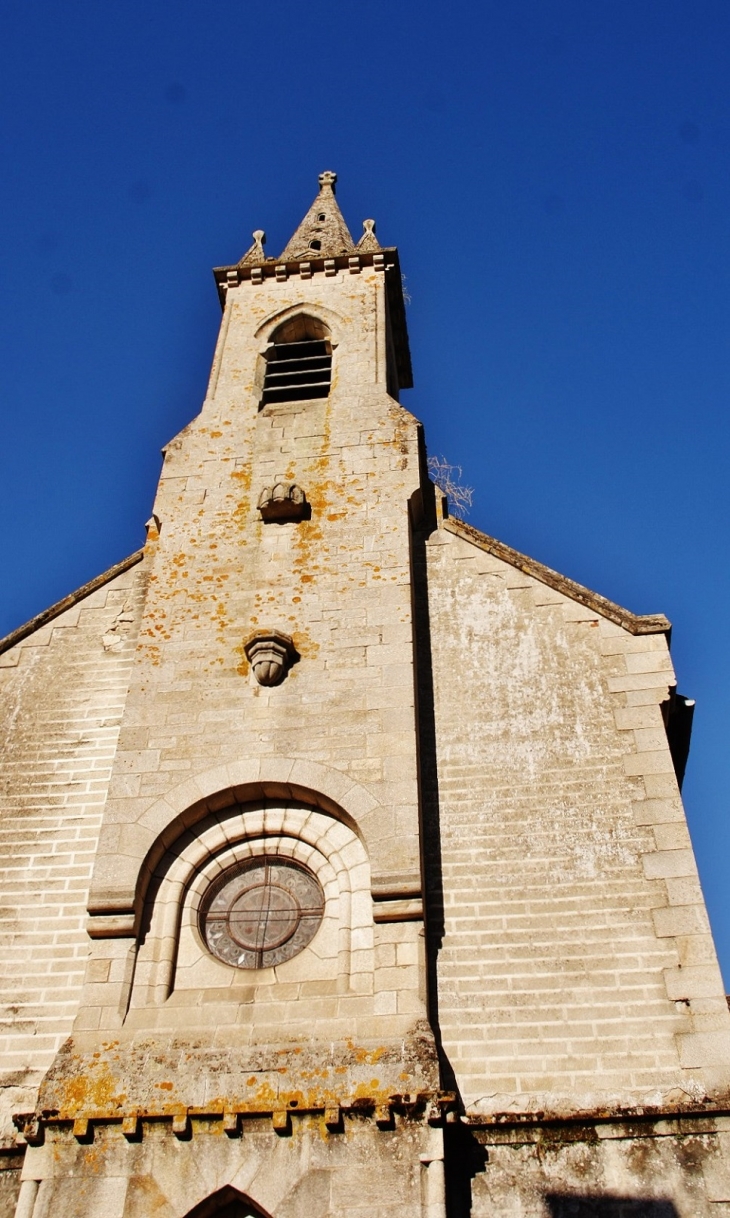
(42, 619)
(635, 623)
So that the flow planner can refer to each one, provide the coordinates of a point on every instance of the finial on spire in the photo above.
(256, 252)
(328, 178)
(368, 243)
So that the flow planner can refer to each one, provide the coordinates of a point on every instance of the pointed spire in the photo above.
(256, 253)
(323, 232)
(368, 243)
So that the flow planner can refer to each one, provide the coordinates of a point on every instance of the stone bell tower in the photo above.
(257, 973)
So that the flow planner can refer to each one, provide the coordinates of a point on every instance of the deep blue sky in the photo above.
(557, 176)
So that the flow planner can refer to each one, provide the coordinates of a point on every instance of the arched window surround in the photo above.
(298, 361)
(326, 327)
(171, 949)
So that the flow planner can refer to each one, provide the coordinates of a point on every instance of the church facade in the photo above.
(345, 867)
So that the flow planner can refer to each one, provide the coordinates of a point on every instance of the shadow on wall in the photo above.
(423, 521)
(465, 1158)
(563, 1205)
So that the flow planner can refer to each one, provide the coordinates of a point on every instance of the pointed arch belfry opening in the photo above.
(298, 361)
(226, 1202)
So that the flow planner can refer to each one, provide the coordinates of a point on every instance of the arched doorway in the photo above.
(226, 1203)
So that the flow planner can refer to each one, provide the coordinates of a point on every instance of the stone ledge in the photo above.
(604, 1123)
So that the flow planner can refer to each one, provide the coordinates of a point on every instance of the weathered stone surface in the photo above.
(160, 1076)
(61, 705)
(559, 929)
(306, 1171)
(454, 728)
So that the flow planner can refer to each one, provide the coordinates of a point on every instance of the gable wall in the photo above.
(62, 692)
(577, 968)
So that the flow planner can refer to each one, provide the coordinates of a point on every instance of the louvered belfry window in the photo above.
(298, 362)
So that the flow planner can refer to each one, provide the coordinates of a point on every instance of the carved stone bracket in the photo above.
(285, 501)
(270, 654)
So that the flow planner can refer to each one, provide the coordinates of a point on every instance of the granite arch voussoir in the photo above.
(183, 806)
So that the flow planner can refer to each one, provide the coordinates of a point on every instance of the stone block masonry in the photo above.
(571, 901)
(394, 909)
(62, 692)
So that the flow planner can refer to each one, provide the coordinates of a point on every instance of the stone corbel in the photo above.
(270, 654)
(285, 501)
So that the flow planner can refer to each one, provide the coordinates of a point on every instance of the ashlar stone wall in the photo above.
(338, 584)
(357, 1169)
(577, 970)
(62, 692)
(179, 1061)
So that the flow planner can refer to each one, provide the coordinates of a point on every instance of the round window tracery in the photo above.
(261, 912)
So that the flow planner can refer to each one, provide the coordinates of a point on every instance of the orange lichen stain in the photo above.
(165, 1086)
(243, 667)
(93, 1159)
(243, 508)
(317, 1072)
(304, 644)
(364, 1091)
(152, 654)
(265, 1097)
(90, 1092)
(362, 1056)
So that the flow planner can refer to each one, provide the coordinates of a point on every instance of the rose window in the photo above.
(261, 912)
